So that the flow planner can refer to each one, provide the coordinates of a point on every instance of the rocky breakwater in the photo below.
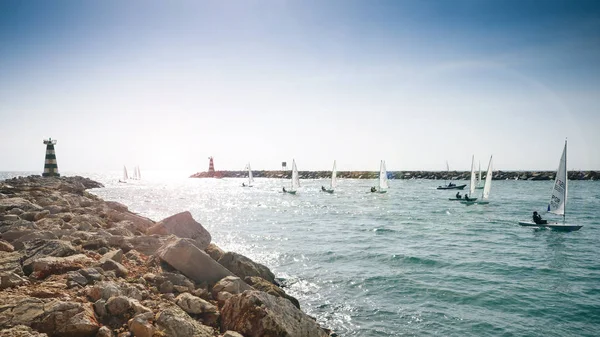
(72, 264)
(440, 175)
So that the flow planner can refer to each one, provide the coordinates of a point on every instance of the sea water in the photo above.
(405, 263)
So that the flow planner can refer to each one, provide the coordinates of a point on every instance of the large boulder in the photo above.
(177, 323)
(183, 225)
(44, 266)
(261, 284)
(255, 313)
(183, 255)
(55, 318)
(21, 331)
(243, 266)
(43, 248)
(23, 204)
(10, 262)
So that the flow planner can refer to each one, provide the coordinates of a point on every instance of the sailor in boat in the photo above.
(284, 190)
(538, 219)
(458, 195)
(323, 189)
(243, 184)
(451, 184)
(373, 189)
(467, 197)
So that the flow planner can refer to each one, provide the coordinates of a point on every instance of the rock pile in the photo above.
(72, 264)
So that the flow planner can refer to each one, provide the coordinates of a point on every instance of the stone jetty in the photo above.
(74, 265)
(440, 175)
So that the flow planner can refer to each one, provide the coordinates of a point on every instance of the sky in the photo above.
(166, 84)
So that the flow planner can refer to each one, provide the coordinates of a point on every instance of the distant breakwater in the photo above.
(439, 175)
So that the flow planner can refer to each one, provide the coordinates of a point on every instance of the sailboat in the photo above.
(473, 182)
(487, 187)
(250, 179)
(383, 179)
(125, 176)
(136, 173)
(479, 186)
(295, 179)
(333, 181)
(558, 200)
(450, 186)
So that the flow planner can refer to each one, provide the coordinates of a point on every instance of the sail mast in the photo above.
(566, 184)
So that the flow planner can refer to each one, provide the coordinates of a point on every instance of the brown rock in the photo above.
(177, 323)
(49, 265)
(184, 226)
(21, 331)
(255, 313)
(243, 266)
(214, 251)
(263, 285)
(140, 325)
(6, 247)
(194, 263)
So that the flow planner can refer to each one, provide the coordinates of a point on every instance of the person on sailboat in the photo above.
(538, 219)
(458, 195)
(284, 190)
(450, 185)
(467, 197)
(243, 184)
(323, 189)
(373, 189)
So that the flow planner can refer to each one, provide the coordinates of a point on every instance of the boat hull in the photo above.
(328, 191)
(290, 192)
(473, 202)
(552, 225)
(458, 187)
(461, 199)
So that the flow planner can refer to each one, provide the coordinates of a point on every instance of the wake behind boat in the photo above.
(558, 200)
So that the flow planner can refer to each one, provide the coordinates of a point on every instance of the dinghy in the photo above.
(487, 187)
(450, 186)
(383, 179)
(473, 182)
(558, 200)
(250, 179)
(333, 184)
(295, 180)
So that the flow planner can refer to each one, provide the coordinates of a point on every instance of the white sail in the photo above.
(139, 174)
(333, 177)
(250, 178)
(559, 192)
(488, 181)
(473, 178)
(383, 179)
(295, 177)
(125, 176)
(479, 176)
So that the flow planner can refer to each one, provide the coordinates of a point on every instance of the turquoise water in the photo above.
(408, 262)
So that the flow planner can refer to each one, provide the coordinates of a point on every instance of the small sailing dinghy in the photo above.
(295, 179)
(250, 179)
(383, 179)
(450, 186)
(479, 186)
(125, 176)
(473, 183)
(558, 200)
(333, 184)
(487, 187)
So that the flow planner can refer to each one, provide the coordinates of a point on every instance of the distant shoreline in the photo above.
(434, 175)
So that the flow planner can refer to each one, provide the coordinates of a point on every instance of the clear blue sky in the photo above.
(165, 84)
